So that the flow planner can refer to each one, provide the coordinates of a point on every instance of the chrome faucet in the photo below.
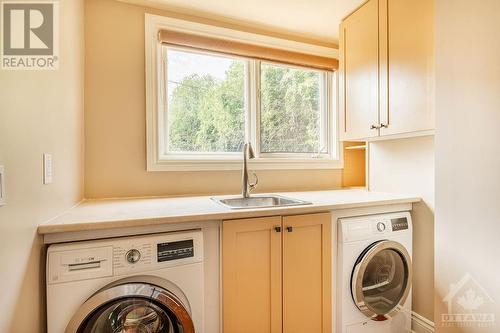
(247, 187)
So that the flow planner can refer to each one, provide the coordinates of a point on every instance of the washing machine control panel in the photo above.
(119, 256)
(132, 256)
(174, 250)
(138, 254)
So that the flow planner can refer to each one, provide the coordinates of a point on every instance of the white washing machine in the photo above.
(374, 274)
(152, 283)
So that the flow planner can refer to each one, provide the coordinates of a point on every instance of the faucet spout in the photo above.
(247, 187)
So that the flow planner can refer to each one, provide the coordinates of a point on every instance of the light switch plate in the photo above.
(47, 168)
(2, 185)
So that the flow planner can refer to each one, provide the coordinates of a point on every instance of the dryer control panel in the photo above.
(366, 227)
(399, 223)
(119, 256)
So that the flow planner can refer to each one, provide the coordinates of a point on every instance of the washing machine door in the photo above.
(381, 279)
(134, 307)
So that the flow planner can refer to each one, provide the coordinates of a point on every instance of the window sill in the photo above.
(235, 164)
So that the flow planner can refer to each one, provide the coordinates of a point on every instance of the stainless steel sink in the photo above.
(259, 202)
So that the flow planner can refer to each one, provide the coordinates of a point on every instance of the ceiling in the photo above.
(313, 20)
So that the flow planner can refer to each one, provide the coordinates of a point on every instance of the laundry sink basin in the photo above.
(259, 202)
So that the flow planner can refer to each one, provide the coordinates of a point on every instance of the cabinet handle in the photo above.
(289, 229)
(384, 125)
(277, 229)
(374, 127)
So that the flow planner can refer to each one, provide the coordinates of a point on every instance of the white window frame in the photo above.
(156, 104)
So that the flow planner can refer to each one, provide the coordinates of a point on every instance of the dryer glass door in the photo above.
(381, 279)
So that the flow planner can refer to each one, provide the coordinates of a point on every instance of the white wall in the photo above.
(40, 111)
(467, 235)
(407, 166)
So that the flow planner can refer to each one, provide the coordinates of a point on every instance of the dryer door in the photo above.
(133, 307)
(381, 279)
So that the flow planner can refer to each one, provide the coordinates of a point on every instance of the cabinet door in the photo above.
(251, 273)
(407, 38)
(307, 274)
(359, 73)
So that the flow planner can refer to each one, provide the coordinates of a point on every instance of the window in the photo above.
(293, 113)
(203, 105)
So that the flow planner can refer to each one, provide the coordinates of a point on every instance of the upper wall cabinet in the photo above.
(359, 73)
(387, 69)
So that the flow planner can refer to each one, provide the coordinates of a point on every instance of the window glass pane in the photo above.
(206, 102)
(290, 110)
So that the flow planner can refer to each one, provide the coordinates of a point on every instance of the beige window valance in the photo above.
(247, 50)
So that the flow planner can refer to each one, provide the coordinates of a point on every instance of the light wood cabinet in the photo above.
(410, 66)
(404, 61)
(359, 73)
(276, 274)
(307, 274)
(251, 275)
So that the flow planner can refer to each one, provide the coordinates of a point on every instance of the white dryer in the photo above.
(374, 274)
(152, 283)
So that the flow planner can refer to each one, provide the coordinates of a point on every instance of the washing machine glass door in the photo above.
(132, 308)
(381, 279)
(130, 315)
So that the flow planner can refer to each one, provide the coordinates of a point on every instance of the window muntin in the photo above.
(233, 90)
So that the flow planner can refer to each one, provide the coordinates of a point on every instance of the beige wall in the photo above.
(407, 166)
(40, 111)
(115, 152)
(467, 238)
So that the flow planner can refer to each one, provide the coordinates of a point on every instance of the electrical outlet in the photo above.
(2, 186)
(47, 168)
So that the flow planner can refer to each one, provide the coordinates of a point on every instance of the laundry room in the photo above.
(320, 166)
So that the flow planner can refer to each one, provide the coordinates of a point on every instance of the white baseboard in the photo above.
(420, 324)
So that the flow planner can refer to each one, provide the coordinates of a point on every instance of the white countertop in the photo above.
(120, 213)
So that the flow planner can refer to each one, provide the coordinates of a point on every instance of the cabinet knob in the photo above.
(277, 229)
(374, 127)
(289, 229)
(384, 125)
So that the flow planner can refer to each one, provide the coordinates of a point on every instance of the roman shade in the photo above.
(245, 49)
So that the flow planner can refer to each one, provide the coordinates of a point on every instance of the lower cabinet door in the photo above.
(307, 274)
(251, 275)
